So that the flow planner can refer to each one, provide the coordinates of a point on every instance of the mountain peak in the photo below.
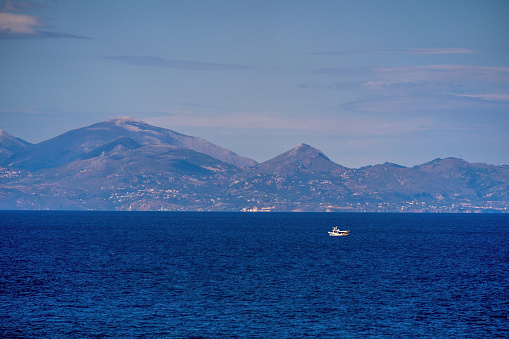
(306, 151)
(122, 119)
(301, 146)
(300, 159)
(4, 134)
(8, 140)
(10, 145)
(446, 162)
(77, 143)
(128, 123)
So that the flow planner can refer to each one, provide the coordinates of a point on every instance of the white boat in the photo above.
(336, 232)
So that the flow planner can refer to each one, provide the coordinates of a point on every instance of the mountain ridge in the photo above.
(126, 164)
(76, 143)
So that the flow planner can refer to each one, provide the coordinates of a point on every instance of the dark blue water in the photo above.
(216, 275)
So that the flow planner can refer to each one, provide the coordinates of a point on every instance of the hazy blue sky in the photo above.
(364, 81)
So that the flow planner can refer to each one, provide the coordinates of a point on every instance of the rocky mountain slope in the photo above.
(10, 145)
(74, 144)
(125, 164)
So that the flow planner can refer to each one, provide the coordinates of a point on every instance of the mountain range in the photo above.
(126, 164)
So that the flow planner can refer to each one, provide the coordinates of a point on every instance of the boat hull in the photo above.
(332, 234)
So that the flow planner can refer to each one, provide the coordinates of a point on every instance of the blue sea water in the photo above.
(248, 275)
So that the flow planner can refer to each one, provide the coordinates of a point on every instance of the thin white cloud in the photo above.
(488, 97)
(429, 51)
(443, 72)
(487, 83)
(425, 73)
(439, 51)
(431, 88)
(412, 104)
